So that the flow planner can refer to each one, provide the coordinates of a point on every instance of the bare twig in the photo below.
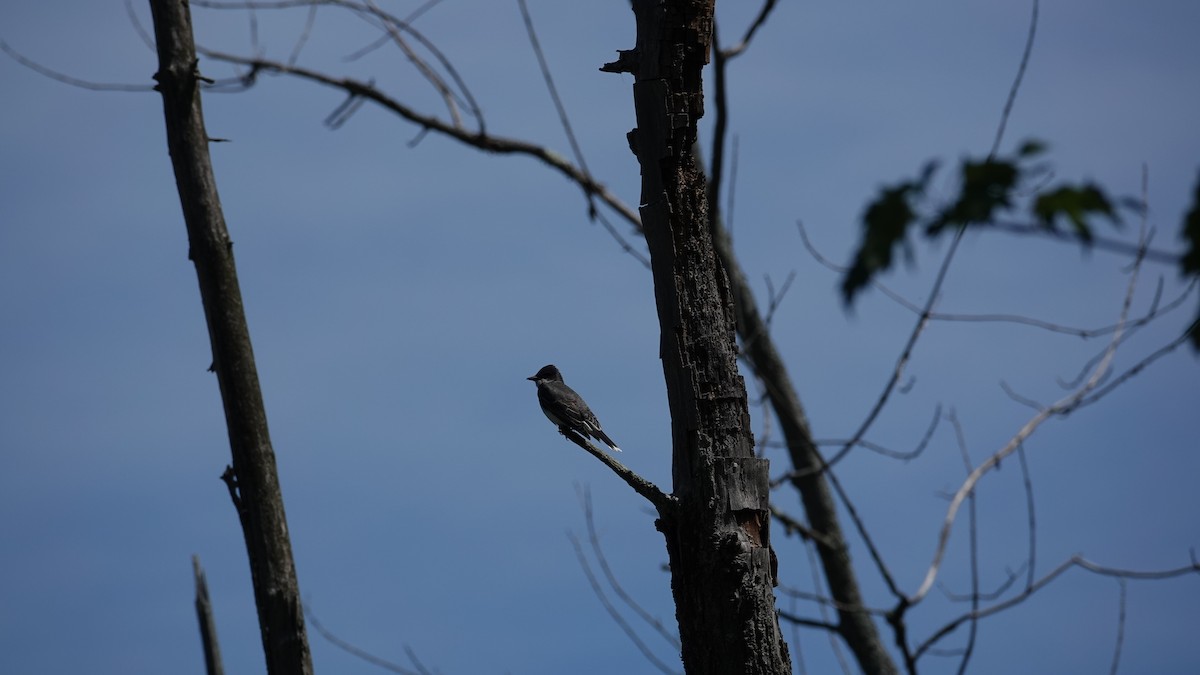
(759, 21)
(1097, 242)
(872, 446)
(1075, 561)
(973, 624)
(989, 596)
(1016, 85)
(834, 644)
(1136, 368)
(67, 79)
(1063, 407)
(796, 645)
(791, 524)
(762, 440)
(663, 502)
(588, 191)
(1027, 482)
(548, 78)
(1120, 641)
(208, 625)
(394, 29)
(774, 299)
(809, 623)
(936, 289)
(612, 611)
(830, 602)
(1154, 312)
(598, 551)
(477, 139)
(305, 33)
(356, 651)
(138, 27)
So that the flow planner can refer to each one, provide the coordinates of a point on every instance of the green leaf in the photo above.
(1032, 147)
(1189, 263)
(1077, 205)
(885, 226)
(986, 187)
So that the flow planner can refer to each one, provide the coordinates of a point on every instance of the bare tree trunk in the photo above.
(722, 566)
(252, 478)
(856, 627)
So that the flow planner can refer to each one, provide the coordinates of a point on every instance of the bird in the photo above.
(565, 408)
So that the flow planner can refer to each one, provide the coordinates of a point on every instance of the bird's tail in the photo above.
(607, 441)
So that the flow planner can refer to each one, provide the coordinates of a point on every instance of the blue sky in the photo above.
(398, 296)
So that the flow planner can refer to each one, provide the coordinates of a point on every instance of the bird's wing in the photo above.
(567, 406)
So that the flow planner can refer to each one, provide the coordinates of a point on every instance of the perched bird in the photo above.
(565, 408)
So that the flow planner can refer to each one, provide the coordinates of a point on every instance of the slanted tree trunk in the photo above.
(856, 627)
(722, 566)
(252, 478)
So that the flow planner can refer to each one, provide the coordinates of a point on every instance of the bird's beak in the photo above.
(532, 377)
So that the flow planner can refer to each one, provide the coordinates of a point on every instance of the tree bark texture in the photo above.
(252, 480)
(722, 566)
(857, 628)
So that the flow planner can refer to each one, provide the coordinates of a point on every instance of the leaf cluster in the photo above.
(987, 188)
(990, 188)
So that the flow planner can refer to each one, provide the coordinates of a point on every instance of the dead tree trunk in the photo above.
(722, 566)
(252, 478)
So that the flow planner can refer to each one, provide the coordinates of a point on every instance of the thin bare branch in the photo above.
(1097, 242)
(873, 447)
(138, 27)
(1075, 561)
(617, 236)
(1019, 398)
(598, 551)
(1154, 312)
(353, 650)
(774, 299)
(208, 625)
(612, 611)
(830, 602)
(394, 28)
(548, 78)
(989, 596)
(791, 524)
(759, 21)
(1027, 482)
(1136, 368)
(902, 361)
(663, 502)
(1016, 85)
(1116, 660)
(1063, 407)
(477, 139)
(763, 438)
(861, 528)
(572, 140)
(973, 624)
(412, 656)
(808, 623)
(305, 34)
(834, 643)
(67, 79)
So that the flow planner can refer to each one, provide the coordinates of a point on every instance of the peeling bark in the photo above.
(718, 535)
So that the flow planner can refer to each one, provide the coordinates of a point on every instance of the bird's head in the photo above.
(547, 374)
